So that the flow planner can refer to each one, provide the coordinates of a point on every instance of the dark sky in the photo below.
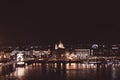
(30, 23)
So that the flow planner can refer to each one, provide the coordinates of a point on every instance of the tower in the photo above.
(56, 47)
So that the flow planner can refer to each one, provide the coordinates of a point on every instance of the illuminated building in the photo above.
(20, 59)
(59, 51)
(41, 54)
(82, 53)
(60, 45)
(4, 56)
(56, 47)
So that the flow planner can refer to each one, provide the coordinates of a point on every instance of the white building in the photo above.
(82, 53)
(41, 53)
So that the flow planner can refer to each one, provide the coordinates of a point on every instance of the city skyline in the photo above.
(59, 41)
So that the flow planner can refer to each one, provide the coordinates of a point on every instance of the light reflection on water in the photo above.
(20, 72)
(73, 71)
(0, 70)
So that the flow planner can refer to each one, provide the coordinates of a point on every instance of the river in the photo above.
(59, 71)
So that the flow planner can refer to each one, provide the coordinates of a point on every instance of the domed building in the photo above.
(59, 46)
(59, 50)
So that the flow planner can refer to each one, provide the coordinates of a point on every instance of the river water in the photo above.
(59, 71)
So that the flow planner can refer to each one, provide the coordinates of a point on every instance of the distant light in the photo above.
(92, 64)
(4, 56)
(115, 48)
(20, 63)
(94, 46)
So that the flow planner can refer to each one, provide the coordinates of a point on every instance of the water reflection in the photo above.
(0, 70)
(20, 72)
(63, 71)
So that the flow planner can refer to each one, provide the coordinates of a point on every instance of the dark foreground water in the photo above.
(64, 72)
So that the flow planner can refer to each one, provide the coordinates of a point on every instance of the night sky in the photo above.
(30, 23)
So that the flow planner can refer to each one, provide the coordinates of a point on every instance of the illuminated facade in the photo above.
(82, 53)
(60, 45)
(41, 54)
(56, 47)
(4, 56)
